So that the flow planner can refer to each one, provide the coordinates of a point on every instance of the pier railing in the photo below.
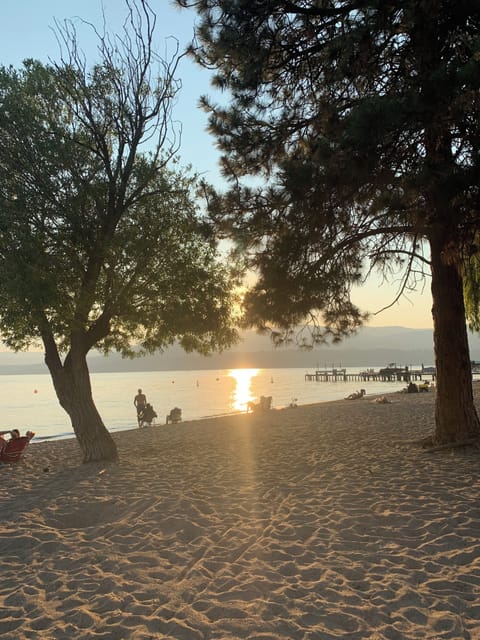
(405, 374)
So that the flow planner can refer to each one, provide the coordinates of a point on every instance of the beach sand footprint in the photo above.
(86, 514)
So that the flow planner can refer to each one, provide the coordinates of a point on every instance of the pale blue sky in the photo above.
(26, 32)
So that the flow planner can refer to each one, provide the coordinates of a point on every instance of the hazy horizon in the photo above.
(372, 346)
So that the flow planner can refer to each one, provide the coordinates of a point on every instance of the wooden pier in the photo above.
(394, 374)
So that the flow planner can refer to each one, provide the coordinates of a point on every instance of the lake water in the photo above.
(29, 400)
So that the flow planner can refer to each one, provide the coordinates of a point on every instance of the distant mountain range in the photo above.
(371, 347)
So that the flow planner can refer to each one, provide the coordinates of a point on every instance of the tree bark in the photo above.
(94, 439)
(456, 418)
(72, 385)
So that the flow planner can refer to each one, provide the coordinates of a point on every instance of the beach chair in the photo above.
(174, 416)
(265, 404)
(14, 449)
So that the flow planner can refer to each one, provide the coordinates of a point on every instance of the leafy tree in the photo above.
(359, 122)
(101, 242)
(471, 290)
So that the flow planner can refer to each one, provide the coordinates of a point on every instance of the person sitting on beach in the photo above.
(3, 442)
(147, 416)
(265, 404)
(13, 449)
(14, 433)
(174, 416)
(356, 395)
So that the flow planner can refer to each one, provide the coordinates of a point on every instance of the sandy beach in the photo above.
(319, 522)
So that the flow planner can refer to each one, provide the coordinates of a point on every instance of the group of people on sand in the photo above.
(411, 388)
(417, 388)
(146, 414)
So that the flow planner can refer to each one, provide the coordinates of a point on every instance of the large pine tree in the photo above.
(360, 120)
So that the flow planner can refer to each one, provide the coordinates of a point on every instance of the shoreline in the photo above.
(133, 428)
(317, 522)
(35, 406)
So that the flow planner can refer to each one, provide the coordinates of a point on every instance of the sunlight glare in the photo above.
(242, 394)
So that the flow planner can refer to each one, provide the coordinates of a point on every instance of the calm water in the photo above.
(29, 401)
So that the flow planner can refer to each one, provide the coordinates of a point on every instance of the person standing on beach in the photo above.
(140, 402)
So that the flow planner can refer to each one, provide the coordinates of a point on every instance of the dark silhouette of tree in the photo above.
(359, 122)
(101, 242)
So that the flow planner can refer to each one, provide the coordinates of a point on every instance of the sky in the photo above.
(27, 31)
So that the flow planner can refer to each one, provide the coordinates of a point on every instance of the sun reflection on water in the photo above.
(242, 393)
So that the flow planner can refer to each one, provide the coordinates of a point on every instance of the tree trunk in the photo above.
(456, 419)
(73, 388)
(94, 439)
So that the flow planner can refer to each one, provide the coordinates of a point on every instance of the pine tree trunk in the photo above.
(73, 388)
(456, 419)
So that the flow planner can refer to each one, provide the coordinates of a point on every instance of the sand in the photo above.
(317, 522)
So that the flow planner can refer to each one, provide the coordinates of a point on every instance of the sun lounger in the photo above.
(15, 448)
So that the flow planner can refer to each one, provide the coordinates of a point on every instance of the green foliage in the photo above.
(101, 244)
(471, 291)
(361, 122)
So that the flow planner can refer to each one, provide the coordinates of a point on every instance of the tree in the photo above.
(471, 290)
(101, 241)
(359, 121)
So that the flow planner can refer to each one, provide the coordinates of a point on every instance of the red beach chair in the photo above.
(14, 449)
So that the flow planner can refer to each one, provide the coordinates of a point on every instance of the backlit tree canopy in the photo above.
(101, 242)
(359, 122)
